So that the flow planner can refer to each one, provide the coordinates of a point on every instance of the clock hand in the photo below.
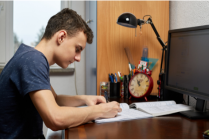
(138, 82)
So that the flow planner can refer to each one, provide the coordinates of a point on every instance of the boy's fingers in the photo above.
(119, 110)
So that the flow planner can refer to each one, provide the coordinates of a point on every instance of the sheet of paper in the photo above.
(126, 114)
(162, 110)
(154, 104)
(124, 106)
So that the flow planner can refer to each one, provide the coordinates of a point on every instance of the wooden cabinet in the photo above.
(113, 38)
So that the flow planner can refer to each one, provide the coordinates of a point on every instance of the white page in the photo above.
(163, 110)
(126, 114)
(153, 104)
(124, 106)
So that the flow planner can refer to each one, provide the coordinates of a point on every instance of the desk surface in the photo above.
(163, 127)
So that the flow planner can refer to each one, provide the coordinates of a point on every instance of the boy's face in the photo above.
(70, 50)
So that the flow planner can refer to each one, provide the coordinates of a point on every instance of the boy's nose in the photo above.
(78, 57)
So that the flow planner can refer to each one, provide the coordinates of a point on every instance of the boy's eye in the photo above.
(77, 49)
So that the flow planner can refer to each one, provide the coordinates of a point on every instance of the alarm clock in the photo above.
(141, 85)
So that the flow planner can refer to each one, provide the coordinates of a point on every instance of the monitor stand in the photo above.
(198, 112)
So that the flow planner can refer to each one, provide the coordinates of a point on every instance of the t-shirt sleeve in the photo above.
(31, 73)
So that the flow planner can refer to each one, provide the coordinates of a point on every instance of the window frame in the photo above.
(7, 10)
(9, 36)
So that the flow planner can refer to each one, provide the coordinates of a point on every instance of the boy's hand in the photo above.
(93, 100)
(110, 109)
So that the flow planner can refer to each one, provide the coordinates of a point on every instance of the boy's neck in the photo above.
(47, 48)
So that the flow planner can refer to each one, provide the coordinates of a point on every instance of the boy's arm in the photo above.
(57, 117)
(78, 100)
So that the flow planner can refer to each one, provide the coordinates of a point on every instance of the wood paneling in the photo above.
(113, 38)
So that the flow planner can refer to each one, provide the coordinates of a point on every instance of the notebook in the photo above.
(142, 110)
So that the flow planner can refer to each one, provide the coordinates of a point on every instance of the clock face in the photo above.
(139, 85)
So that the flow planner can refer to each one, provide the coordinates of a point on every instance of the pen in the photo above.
(113, 77)
(106, 96)
(111, 80)
(129, 66)
(116, 78)
(119, 74)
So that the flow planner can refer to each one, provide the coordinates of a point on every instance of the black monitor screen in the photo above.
(188, 62)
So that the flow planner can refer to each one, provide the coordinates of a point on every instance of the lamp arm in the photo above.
(155, 30)
(159, 39)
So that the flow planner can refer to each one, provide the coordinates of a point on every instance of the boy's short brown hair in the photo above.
(70, 21)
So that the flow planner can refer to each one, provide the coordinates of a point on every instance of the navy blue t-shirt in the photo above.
(27, 71)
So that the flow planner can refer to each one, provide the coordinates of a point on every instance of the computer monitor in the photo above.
(187, 65)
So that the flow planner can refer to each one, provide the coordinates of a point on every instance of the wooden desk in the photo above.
(164, 127)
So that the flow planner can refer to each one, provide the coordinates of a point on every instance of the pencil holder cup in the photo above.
(105, 87)
(115, 90)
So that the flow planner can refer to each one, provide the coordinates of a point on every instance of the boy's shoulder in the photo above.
(27, 54)
(26, 50)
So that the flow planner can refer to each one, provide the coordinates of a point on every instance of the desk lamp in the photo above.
(129, 20)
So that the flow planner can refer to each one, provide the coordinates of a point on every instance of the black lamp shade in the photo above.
(127, 20)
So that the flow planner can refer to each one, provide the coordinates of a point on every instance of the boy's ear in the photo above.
(61, 37)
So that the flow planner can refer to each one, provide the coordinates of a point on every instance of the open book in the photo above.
(146, 110)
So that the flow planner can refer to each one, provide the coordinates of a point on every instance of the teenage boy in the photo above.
(27, 98)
